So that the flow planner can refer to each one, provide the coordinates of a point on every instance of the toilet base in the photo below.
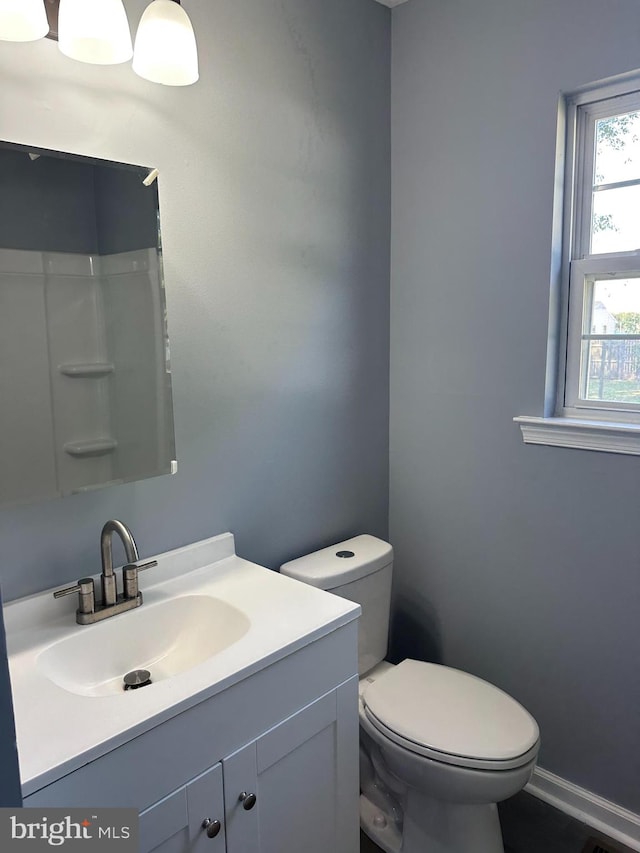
(377, 826)
(440, 827)
(433, 826)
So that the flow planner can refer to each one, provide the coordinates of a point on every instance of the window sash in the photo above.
(583, 273)
(585, 118)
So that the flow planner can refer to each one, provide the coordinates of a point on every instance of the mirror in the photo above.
(85, 381)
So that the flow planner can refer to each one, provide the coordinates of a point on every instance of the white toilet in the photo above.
(438, 747)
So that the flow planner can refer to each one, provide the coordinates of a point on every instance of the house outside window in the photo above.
(593, 393)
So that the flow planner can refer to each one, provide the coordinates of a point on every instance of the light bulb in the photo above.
(23, 20)
(165, 48)
(94, 31)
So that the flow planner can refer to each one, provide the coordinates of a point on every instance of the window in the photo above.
(593, 394)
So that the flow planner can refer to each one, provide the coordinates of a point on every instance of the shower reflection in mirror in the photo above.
(85, 381)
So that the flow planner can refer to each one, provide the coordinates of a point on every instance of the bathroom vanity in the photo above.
(254, 747)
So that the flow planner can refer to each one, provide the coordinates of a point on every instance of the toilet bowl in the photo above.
(438, 773)
(438, 747)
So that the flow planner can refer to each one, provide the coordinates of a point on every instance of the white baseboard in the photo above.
(604, 816)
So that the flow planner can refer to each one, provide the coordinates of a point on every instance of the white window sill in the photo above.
(609, 437)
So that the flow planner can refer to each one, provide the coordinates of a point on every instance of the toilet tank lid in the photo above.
(341, 563)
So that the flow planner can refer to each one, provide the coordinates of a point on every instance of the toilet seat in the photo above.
(450, 716)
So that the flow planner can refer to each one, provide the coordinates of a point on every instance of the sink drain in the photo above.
(137, 678)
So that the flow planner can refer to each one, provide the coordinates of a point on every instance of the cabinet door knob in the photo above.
(248, 800)
(213, 827)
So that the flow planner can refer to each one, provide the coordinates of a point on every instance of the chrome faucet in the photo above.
(108, 578)
(112, 603)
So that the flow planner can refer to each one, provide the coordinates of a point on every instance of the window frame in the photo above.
(580, 264)
(568, 420)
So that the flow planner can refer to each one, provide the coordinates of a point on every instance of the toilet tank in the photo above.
(358, 569)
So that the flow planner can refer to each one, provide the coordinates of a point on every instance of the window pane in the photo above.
(611, 368)
(615, 224)
(617, 149)
(612, 371)
(614, 307)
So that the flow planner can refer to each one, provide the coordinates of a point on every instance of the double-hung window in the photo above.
(593, 400)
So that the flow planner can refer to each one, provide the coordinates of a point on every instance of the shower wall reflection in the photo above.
(85, 390)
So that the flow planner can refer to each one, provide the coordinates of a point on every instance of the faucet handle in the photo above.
(86, 598)
(130, 577)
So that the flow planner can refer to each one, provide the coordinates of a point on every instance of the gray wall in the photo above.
(9, 779)
(274, 195)
(126, 211)
(517, 563)
(53, 204)
(47, 204)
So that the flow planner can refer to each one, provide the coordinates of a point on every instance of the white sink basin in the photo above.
(209, 619)
(166, 639)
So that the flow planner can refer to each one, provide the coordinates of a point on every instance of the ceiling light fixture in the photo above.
(165, 50)
(94, 31)
(22, 20)
(97, 32)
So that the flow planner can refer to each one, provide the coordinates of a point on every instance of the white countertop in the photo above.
(59, 731)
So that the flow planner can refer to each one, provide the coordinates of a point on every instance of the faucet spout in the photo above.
(109, 587)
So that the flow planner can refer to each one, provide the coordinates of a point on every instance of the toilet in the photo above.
(438, 747)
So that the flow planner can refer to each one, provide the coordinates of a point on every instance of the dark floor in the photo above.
(532, 826)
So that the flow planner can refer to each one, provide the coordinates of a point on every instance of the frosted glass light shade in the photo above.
(94, 31)
(165, 50)
(23, 20)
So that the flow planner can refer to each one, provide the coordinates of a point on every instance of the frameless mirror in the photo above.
(85, 382)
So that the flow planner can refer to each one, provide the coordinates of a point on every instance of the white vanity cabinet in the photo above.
(174, 825)
(281, 793)
(287, 734)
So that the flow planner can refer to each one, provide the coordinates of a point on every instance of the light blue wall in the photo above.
(274, 196)
(517, 563)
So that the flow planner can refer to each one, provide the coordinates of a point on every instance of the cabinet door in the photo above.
(304, 775)
(174, 824)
